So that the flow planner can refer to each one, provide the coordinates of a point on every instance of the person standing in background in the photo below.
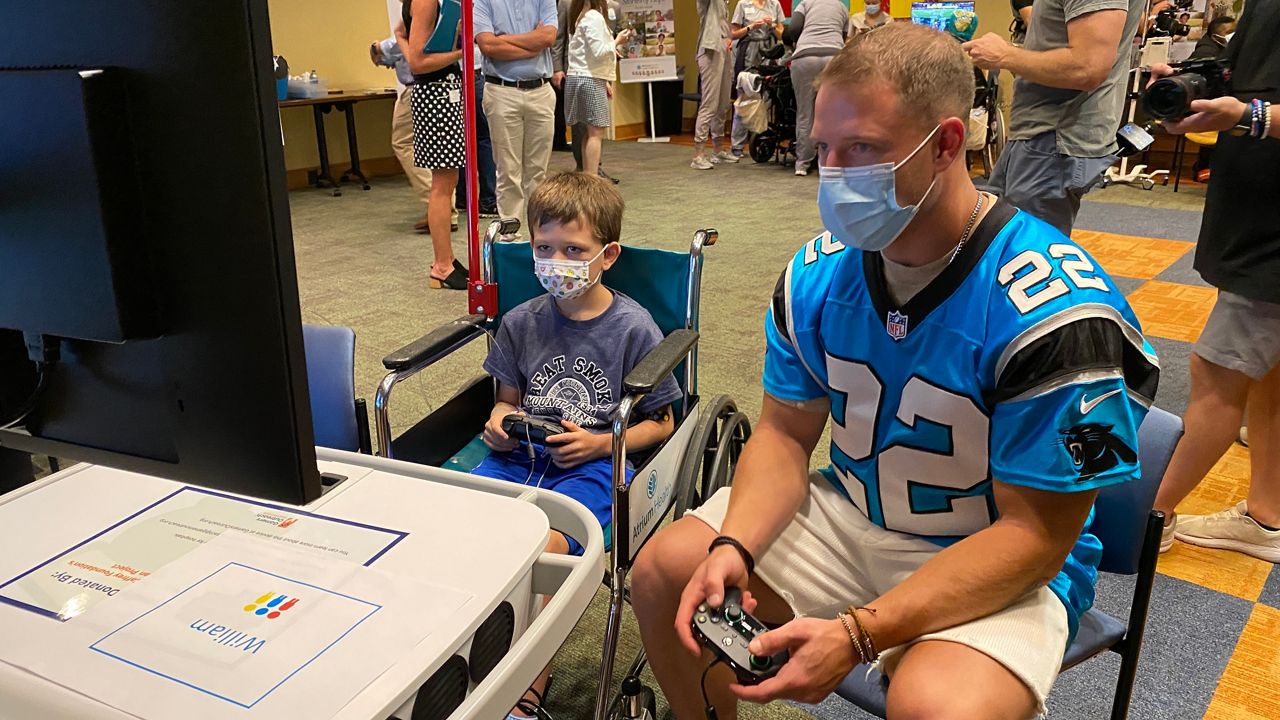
(438, 140)
(715, 70)
(756, 27)
(486, 172)
(1067, 102)
(591, 70)
(818, 31)
(560, 62)
(387, 54)
(873, 15)
(516, 38)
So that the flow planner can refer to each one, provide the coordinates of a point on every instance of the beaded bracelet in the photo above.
(853, 638)
(1266, 120)
(871, 652)
(1257, 124)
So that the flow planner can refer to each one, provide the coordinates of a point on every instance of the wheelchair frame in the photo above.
(694, 462)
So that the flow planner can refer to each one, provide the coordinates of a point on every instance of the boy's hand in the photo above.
(577, 446)
(494, 437)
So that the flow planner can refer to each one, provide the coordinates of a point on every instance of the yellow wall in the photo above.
(332, 37)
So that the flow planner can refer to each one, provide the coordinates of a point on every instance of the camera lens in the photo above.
(1171, 97)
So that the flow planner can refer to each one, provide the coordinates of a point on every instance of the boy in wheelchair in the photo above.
(562, 356)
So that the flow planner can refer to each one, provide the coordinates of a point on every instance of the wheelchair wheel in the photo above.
(997, 136)
(712, 453)
(763, 147)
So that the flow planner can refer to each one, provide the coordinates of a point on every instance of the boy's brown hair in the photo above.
(578, 197)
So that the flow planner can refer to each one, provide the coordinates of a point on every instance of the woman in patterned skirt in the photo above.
(589, 75)
(438, 142)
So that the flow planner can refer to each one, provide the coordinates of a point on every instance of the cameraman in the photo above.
(1237, 357)
(1067, 102)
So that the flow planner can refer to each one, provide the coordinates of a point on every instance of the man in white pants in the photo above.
(387, 54)
(715, 72)
(516, 38)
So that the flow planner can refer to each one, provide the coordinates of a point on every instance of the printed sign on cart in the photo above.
(224, 637)
(126, 553)
(650, 52)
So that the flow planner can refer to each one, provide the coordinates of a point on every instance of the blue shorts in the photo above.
(589, 483)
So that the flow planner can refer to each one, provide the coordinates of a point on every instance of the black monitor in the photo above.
(145, 242)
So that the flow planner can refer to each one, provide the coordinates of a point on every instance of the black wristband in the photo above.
(746, 556)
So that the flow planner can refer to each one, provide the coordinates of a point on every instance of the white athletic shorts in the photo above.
(831, 556)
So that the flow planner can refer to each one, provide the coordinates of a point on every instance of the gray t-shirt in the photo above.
(1086, 122)
(714, 32)
(826, 24)
(573, 370)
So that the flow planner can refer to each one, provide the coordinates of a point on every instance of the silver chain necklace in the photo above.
(968, 228)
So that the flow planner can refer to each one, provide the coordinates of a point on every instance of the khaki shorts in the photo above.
(831, 556)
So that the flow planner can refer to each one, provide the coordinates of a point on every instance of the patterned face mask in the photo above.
(566, 279)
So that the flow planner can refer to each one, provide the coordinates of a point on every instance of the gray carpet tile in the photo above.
(1175, 382)
(1183, 271)
(1271, 591)
(1191, 633)
(1112, 217)
(1127, 284)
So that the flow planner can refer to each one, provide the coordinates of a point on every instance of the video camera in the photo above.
(1167, 25)
(1170, 98)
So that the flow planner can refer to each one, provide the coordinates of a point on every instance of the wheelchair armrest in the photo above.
(435, 344)
(659, 362)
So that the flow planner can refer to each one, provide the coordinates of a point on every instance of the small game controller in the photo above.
(530, 429)
(727, 630)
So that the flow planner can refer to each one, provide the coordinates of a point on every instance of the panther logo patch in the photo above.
(1094, 449)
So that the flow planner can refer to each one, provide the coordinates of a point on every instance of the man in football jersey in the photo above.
(982, 378)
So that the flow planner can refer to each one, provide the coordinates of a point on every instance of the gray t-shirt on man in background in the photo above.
(1086, 122)
(573, 370)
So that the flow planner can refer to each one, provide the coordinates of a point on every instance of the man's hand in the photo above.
(577, 446)
(493, 435)
(1208, 115)
(722, 568)
(557, 79)
(608, 89)
(988, 51)
(821, 656)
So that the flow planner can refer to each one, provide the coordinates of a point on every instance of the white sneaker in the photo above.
(1231, 529)
(702, 163)
(1167, 534)
(802, 172)
(725, 156)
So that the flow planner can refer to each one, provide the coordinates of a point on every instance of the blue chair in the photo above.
(1130, 533)
(340, 419)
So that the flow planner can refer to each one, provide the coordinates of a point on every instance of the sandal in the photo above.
(456, 280)
(531, 708)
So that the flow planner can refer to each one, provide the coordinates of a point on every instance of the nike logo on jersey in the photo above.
(1086, 406)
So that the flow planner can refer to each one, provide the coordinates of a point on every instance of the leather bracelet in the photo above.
(749, 561)
(871, 652)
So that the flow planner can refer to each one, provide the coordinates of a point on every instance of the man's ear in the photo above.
(611, 253)
(951, 134)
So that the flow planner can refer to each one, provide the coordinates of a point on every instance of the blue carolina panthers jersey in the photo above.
(1021, 361)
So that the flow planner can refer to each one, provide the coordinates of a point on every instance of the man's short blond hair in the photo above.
(578, 197)
(929, 70)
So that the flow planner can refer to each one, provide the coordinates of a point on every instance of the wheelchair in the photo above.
(778, 141)
(698, 459)
(988, 133)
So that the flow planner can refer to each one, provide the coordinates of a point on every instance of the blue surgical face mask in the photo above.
(859, 205)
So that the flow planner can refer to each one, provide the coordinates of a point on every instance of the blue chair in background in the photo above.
(1130, 533)
(341, 420)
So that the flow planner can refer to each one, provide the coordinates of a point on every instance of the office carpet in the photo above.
(1213, 643)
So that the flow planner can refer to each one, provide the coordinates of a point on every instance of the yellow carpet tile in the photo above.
(1173, 311)
(1222, 570)
(1250, 686)
(1130, 256)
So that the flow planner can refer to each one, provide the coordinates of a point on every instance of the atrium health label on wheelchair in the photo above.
(653, 489)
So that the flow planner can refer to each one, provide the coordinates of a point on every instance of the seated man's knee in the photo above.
(663, 567)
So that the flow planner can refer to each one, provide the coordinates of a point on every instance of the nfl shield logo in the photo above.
(896, 325)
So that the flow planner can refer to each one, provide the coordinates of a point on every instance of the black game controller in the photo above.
(530, 429)
(727, 630)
